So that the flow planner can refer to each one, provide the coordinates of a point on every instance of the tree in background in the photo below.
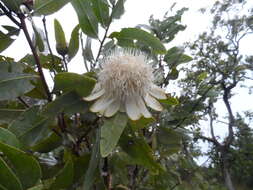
(219, 69)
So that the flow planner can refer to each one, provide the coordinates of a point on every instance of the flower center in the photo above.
(126, 75)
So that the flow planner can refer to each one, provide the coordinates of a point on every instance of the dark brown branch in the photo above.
(23, 102)
(226, 95)
(36, 57)
(106, 174)
(9, 15)
(209, 140)
(103, 40)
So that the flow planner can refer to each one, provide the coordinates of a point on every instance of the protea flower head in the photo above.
(125, 83)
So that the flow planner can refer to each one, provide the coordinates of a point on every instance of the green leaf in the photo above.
(101, 10)
(37, 187)
(5, 41)
(173, 75)
(68, 103)
(25, 166)
(141, 123)
(38, 92)
(61, 44)
(74, 43)
(30, 127)
(81, 164)
(118, 10)
(93, 164)
(111, 132)
(11, 30)
(175, 56)
(170, 141)
(13, 85)
(139, 151)
(170, 101)
(9, 138)
(47, 7)
(8, 180)
(11, 67)
(38, 39)
(66, 82)
(87, 19)
(65, 177)
(8, 115)
(127, 36)
(48, 144)
(47, 61)
(87, 52)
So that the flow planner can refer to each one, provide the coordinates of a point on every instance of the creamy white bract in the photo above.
(125, 83)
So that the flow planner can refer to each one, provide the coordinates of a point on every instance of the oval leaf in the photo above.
(9, 138)
(87, 19)
(47, 7)
(74, 43)
(8, 180)
(65, 177)
(25, 166)
(127, 36)
(13, 85)
(111, 132)
(66, 82)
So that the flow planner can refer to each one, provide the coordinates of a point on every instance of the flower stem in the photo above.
(36, 57)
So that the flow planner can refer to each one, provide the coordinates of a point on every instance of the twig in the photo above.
(23, 102)
(8, 14)
(36, 57)
(65, 63)
(106, 174)
(103, 40)
(48, 44)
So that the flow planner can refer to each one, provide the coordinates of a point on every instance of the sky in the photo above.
(138, 12)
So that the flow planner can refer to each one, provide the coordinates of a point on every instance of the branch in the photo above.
(8, 14)
(211, 125)
(36, 57)
(103, 40)
(209, 140)
(226, 94)
(23, 102)
(106, 174)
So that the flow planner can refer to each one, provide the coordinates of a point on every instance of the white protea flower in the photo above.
(125, 83)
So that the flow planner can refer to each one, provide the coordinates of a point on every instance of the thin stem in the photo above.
(103, 40)
(106, 174)
(84, 60)
(23, 102)
(36, 57)
(65, 63)
(48, 44)
(211, 124)
(8, 14)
